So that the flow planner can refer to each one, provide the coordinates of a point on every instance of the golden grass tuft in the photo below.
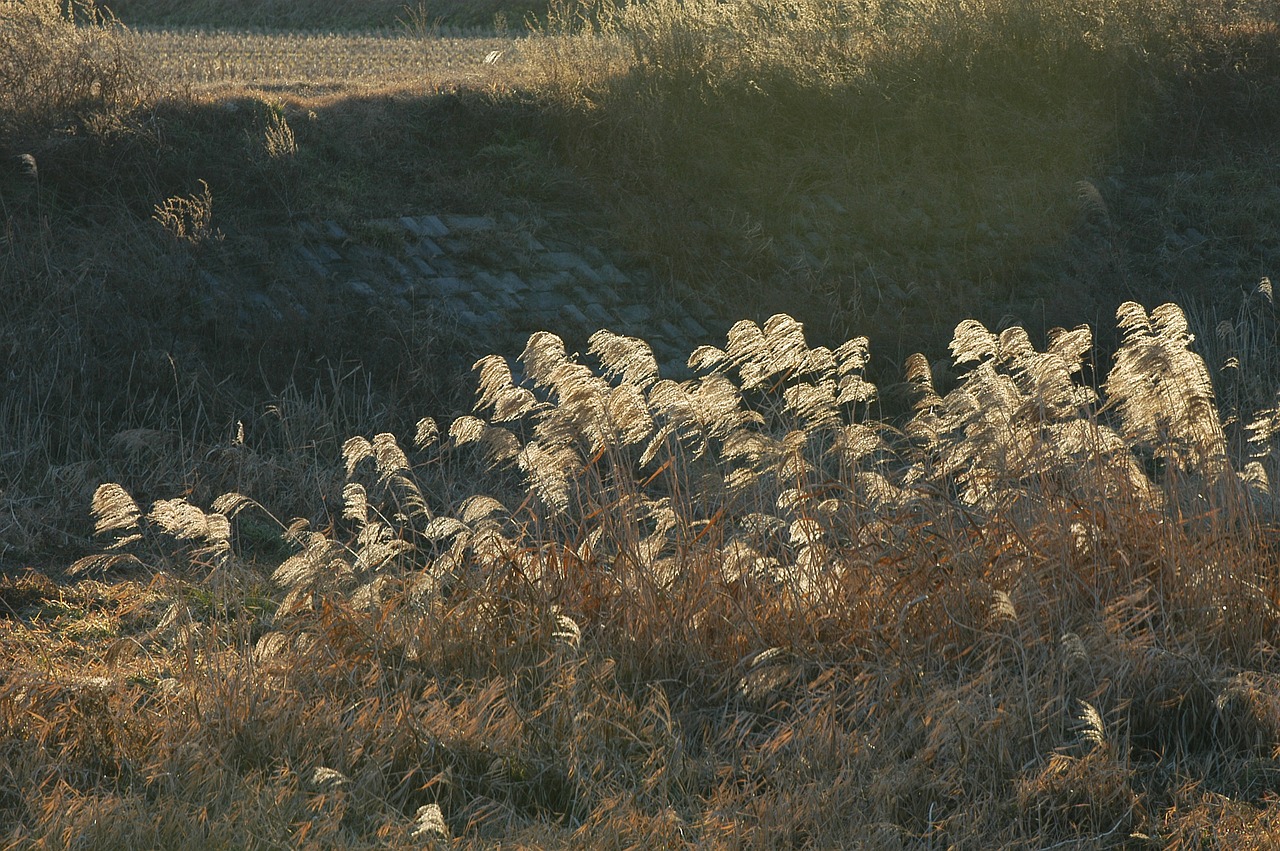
(188, 218)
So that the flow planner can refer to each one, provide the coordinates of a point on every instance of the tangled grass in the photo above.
(734, 611)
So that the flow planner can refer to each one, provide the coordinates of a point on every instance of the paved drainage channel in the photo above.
(501, 284)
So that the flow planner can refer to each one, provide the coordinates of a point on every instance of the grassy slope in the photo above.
(549, 697)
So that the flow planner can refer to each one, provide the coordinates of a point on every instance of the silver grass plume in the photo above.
(498, 444)
(761, 354)
(791, 500)
(328, 780)
(1261, 431)
(426, 433)
(1086, 723)
(705, 358)
(186, 522)
(376, 546)
(1062, 362)
(429, 825)
(973, 343)
(444, 529)
(355, 450)
(1073, 652)
(480, 507)
(628, 358)
(855, 389)
(788, 349)
(467, 429)
(749, 454)
(116, 512)
(355, 503)
(1001, 609)
(231, 504)
(1163, 390)
(489, 544)
(856, 441)
(852, 355)
(919, 375)
(543, 354)
(877, 492)
(793, 462)
(395, 473)
(1093, 204)
(499, 394)
(737, 560)
(321, 557)
(101, 563)
(567, 633)
(696, 412)
(548, 470)
(1018, 414)
(763, 527)
(805, 531)
(389, 456)
(625, 418)
(813, 404)
(745, 347)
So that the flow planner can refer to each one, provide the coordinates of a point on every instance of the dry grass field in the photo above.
(1003, 572)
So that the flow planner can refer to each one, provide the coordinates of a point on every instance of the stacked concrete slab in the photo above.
(500, 283)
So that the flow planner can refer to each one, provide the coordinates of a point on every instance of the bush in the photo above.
(58, 63)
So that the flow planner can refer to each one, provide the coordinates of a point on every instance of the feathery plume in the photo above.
(629, 358)
(116, 511)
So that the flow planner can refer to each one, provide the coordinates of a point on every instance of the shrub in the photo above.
(60, 62)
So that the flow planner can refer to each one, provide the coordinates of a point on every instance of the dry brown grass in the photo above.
(1000, 626)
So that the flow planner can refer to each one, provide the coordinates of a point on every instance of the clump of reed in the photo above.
(736, 610)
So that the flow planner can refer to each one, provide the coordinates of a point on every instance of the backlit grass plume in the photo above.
(719, 607)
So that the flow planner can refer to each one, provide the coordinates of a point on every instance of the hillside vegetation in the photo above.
(970, 580)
